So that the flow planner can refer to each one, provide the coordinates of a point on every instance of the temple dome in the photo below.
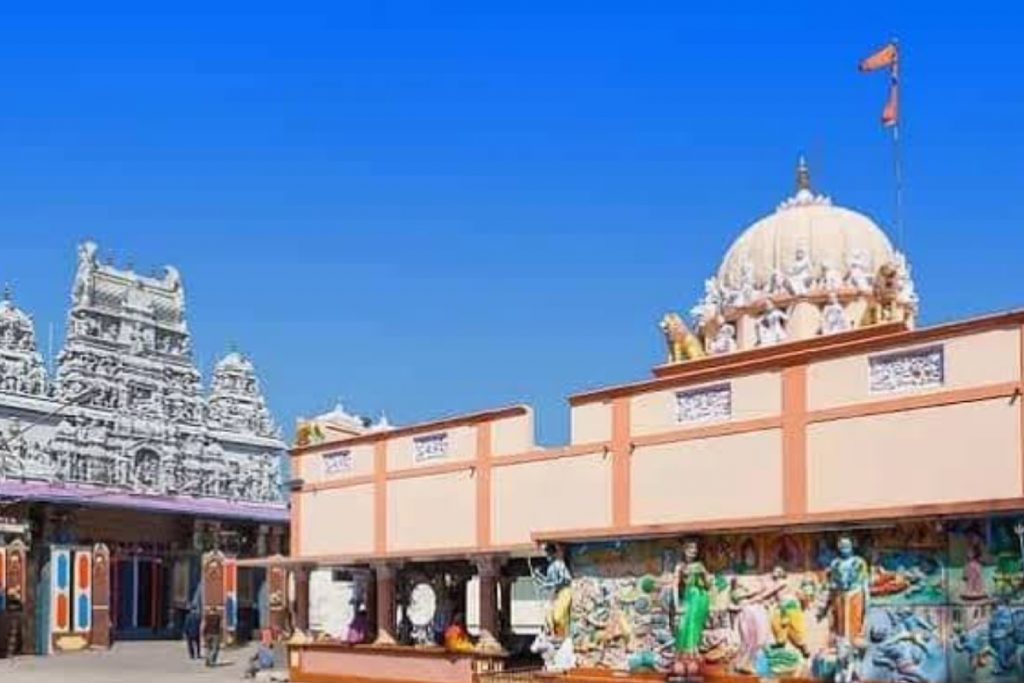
(829, 235)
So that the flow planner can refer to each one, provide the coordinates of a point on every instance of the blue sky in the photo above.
(430, 208)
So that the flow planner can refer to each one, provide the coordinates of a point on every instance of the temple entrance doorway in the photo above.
(140, 597)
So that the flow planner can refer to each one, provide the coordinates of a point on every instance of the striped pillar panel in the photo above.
(83, 591)
(230, 594)
(60, 590)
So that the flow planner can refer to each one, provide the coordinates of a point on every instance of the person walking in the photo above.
(211, 636)
(191, 629)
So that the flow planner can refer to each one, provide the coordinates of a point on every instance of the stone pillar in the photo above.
(505, 609)
(488, 569)
(302, 599)
(370, 600)
(386, 577)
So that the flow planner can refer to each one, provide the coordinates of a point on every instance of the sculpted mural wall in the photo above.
(132, 414)
(914, 603)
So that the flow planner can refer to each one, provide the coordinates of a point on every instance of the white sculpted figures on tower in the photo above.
(771, 326)
(81, 294)
(724, 340)
(799, 275)
(859, 273)
(833, 316)
(127, 336)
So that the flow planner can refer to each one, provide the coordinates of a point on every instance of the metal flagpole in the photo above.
(897, 160)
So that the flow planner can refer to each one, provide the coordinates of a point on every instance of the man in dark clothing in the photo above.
(191, 629)
(211, 634)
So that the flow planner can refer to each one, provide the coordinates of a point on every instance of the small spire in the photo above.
(803, 175)
(7, 291)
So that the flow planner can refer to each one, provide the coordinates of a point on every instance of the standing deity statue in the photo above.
(833, 316)
(771, 326)
(799, 275)
(777, 283)
(859, 271)
(86, 266)
(724, 340)
(847, 601)
(556, 582)
(831, 278)
(709, 307)
(692, 582)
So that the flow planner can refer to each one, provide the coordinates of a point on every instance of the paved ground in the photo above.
(147, 662)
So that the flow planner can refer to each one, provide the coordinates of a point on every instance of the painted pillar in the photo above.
(213, 584)
(15, 585)
(302, 599)
(386, 576)
(277, 602)
(82, 594)
(230, 600)
(60, 594)
(488, 569)
(100, 596)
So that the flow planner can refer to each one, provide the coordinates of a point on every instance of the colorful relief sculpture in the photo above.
(693, 581)
(682, 343)
(556, 581)
(847, 600)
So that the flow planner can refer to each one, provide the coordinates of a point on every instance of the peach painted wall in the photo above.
(370, 665)
(961, 452)
(590, 422)
(972, 360)
(337, 521)
(461, 446)
(432, 512)
(739, 475)
(753, 397)
(512, 435)
(362, 464)
(565, 493)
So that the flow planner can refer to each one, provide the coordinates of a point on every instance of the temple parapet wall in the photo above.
(877, 422)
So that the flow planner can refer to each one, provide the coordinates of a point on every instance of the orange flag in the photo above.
(887, 56)
(891, 112)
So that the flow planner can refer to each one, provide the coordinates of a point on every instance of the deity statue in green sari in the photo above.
(693, 581)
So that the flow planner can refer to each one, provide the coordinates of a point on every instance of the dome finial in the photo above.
(803, 175)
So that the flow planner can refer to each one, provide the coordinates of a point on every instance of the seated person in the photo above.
(358, 628)
(456, 638)
(263, 660)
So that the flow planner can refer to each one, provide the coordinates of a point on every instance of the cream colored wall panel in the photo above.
(738, 475)
(360, 460)
(752, 397)
(432, 512)
(512, 435)
(970, 361)
(591, 422)
(461, 446)
(337, 521)
(558, 494)
(958, 453)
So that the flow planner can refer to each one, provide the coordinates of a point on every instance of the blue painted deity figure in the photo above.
(847, 578)
(1001, 638)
